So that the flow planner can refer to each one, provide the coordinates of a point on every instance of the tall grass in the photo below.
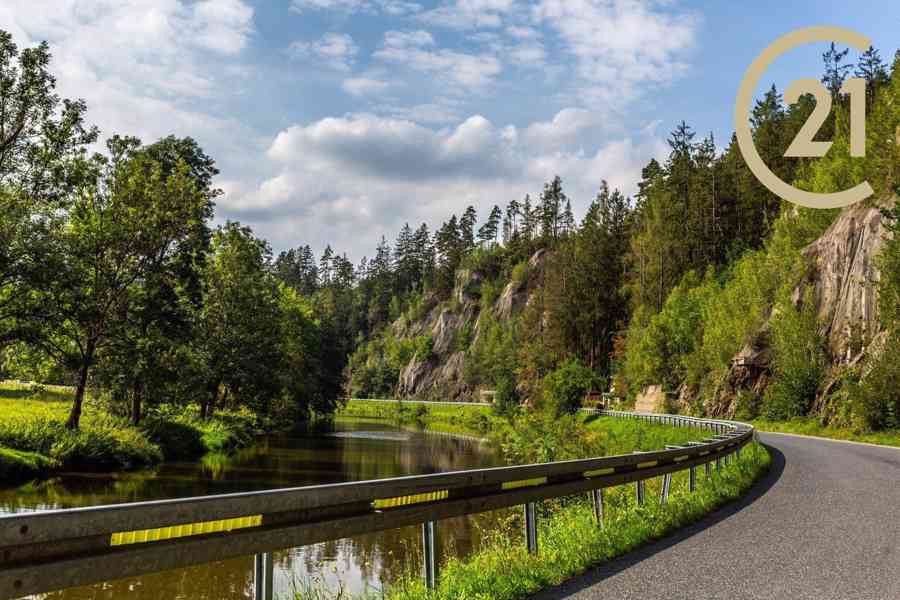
(36, 441)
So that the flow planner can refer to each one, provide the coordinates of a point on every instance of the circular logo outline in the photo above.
(748, 86)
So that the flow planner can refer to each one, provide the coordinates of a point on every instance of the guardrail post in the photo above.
(639, 491)
(664, 491)
(597, 501)
(693, 485)
(531, 541)
(429, 551)
(263, 576)
(719, 463)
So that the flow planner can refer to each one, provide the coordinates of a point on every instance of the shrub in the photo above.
(506, 396)
(566, 387)
(798, 360)
(16, 466)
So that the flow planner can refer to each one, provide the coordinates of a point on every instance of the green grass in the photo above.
(32, 421)
(475, 420)
(570, 542)
(811, 426)
(16, 466)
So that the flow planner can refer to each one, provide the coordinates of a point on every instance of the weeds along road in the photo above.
(823, 524)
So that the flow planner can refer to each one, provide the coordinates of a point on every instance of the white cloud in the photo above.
(346, 5)
(145, 68)
(390, 7)
(621, 46)
(469, 14)
(333, 50)
(350, 180)
(416, 50)
(364, 86)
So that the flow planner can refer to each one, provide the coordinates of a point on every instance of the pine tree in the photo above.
(511, 221)
(488, 232)
(467, 228)
(871, 68)
(552, 201)
(326, 267)
(835, 69)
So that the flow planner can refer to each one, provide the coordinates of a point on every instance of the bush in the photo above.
(16, 466)
(506, 396)
(876, 398)
(566, 387)
(799, 361)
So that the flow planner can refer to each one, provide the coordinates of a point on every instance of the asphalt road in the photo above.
(823, 524)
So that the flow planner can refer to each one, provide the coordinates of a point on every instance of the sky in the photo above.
(337, 121)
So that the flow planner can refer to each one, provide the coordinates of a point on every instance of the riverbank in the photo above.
(469, 420)
(35, 443)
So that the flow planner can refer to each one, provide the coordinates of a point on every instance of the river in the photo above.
(348, 450)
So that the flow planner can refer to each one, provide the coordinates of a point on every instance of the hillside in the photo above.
(840, 280)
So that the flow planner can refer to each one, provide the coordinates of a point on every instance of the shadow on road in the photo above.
(605, 570)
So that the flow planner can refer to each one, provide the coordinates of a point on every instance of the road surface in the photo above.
(824, 524)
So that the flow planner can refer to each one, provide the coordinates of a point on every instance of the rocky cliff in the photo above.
(842, 273)
(441, 376)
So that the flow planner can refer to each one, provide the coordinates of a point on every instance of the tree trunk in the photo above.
(75, 414)
(137, 397)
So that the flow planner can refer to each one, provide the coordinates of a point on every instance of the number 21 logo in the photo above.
(804, 144)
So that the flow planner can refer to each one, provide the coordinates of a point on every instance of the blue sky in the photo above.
(336, 121)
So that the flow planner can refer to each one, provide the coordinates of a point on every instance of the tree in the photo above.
(43, 142)
(488, 232)
(236, 352)
(118, 232)
(139, 354)
(871, 68)
(835, 69)
(552, 201)
(467, 228)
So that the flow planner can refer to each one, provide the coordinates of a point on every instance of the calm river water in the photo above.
(347, 451)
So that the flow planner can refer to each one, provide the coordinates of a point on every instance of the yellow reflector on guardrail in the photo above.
(412, 499)
(598, 472)
(647, 465)
(513, 485)
(143, 536)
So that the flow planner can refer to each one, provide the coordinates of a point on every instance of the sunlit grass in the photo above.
(811, 426)
(32, 421)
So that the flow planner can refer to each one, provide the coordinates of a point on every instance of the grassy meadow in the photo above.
(35, 442)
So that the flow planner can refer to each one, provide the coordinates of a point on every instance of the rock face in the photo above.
(843, 275)
(441, 376)
(652, 399)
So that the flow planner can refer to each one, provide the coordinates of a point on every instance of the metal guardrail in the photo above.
(52, 550)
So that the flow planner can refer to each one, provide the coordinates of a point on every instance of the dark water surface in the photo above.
(347, 451)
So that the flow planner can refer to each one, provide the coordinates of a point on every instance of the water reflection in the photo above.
(349, 451)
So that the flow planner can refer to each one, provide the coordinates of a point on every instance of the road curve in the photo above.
(823, 524)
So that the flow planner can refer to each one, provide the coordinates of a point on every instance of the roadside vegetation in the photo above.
(570, 541)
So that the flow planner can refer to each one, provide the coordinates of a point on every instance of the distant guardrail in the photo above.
(47, 551)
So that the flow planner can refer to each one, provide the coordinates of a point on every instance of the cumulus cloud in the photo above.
(332, 50)
(364, 86)
(145, 68)
(355, 178)
(390, 7)
(620, 45)
(469, 14)
(417, 50)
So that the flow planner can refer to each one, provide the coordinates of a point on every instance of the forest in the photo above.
(114, 280)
